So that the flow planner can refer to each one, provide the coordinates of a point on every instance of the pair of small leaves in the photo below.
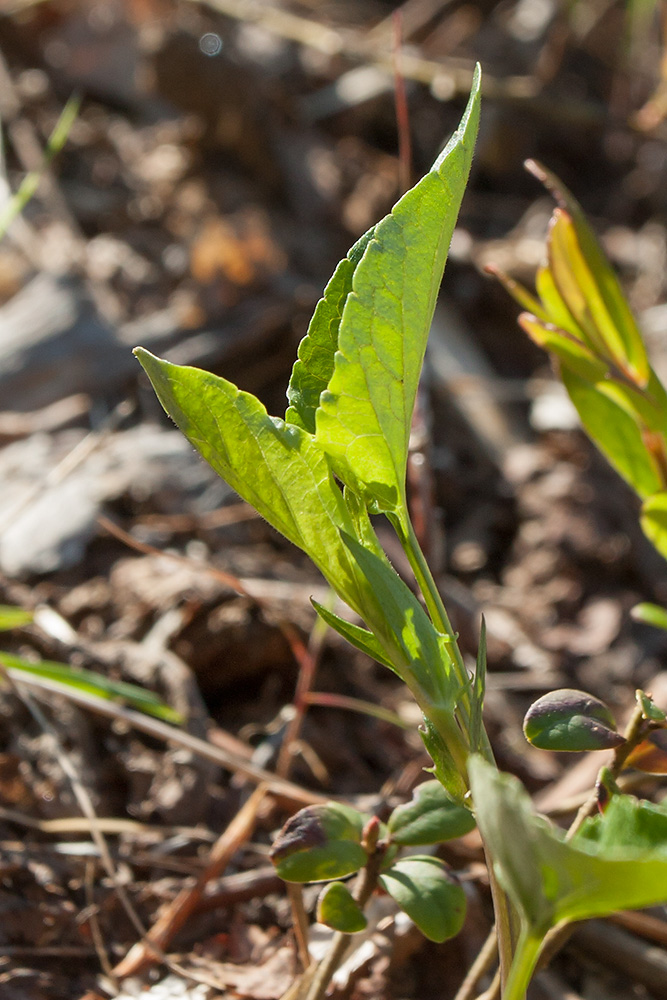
(619, 860)
(419, 885)
(326, 842)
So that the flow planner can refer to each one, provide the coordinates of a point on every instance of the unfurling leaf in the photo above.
(432, 817)
(320, 842)
(338, 909)
(571, 720)
(422, 888)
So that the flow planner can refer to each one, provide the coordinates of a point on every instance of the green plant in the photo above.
(339, 456)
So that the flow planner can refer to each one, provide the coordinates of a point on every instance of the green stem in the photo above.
(366, 884)
(427, 585)
(436, 609)
(523, 966)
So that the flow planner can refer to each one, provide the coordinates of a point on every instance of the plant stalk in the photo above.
(440, 619)
(523, 966)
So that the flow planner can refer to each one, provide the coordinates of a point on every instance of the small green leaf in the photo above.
(320, 842)
(95, 684)
(432, 817)
(338, 909)
(13, 617)
(649, 708)
(571, 720)
(550, 880)
(445, 767)
(654, 521)
(558, 315)
(30, 183)
(423, 890)
(358, 637)
(650, 614)
(364, 416)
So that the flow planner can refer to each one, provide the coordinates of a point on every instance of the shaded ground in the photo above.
(225, 156)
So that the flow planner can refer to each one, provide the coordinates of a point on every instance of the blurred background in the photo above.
(225, 155)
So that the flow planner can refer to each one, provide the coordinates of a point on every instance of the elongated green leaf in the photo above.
(12, 617)
(616, 305)
(358, 637)
(363, 421)
(320, 842)
(338, 909)
(315, 364)
(570, 351)
(275, 466)
(550, 880)
(650, 710)
(648, 406)
(654, 521)
(422, 889)
(92, 683)
(432, 817)
(423, 647)
(615, 433)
